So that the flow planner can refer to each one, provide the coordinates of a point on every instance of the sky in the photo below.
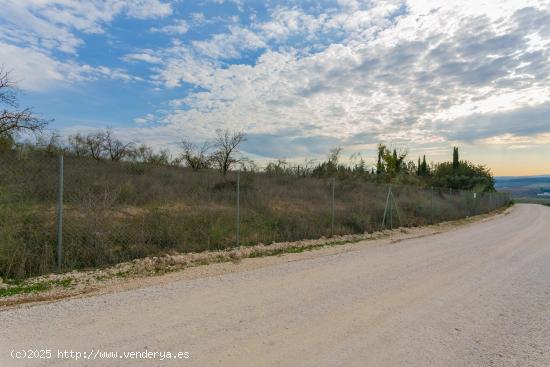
(298, 77)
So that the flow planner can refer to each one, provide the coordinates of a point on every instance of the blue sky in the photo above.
(299, 77)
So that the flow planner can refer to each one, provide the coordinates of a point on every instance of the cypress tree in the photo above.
(424, 170)
(379, 167)
(418, 167)
(455, 158)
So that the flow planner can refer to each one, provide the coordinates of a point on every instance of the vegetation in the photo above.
(120, 210)
(22, 288)
(123, 200)
(392, 167)
(466, 176)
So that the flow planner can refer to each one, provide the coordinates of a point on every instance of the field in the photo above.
(117, 211)
(533, 200)
(526, 187)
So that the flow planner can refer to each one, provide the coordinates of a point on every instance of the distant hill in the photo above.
(524, 186)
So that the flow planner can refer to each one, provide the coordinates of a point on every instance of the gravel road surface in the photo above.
(478, 295)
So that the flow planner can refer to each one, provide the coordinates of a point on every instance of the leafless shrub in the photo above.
(96, 144)
(77, 145)
(115, 148)
(226, 153)
(196, 157)
(142, 153)
(50, 142)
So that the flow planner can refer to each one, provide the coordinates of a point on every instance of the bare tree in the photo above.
(334, 156)
(50, 142)
(115, 148)
(196, 157)
(78, 146)
(96, 144)
(227, 149)
(12, 120)
(162, 158)
(142, 153)
(145, 154)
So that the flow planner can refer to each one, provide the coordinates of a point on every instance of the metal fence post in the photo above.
(392, 200)
(468, 202)
(59, 246)
(332, 208)
(386, 207)
(432, 206)
(238, 206)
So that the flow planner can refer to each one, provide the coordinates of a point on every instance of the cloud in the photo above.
(230, 45)
(288, 144)
(286, 22)
(37, 35)
(148, 118)
(52, 25)
(146, 9)
(182, 66)
(25, 74)
(516, 142)
(178, 27)
(350, 73)
(401, 72)
(144, 56)
(521, 122)
(53, 73)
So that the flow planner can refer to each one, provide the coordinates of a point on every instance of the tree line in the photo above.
(392, 166)
(223, 153)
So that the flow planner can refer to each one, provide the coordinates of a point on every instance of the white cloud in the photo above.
(29, 61)
(145, 119)
(145, 56)
(230, 45)
(33, 31)
(37, 71)
(355, 72)
(286, 22)
(145, 9)
(181, 65)
(178, 27)
(511, 141)
(394, 71)
(51, 25)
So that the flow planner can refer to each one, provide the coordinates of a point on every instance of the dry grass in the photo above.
(55, 286)
(116, 212)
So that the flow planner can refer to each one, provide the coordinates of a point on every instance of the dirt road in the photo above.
(478, 295)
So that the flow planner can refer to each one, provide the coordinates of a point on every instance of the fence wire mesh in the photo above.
(27, 214)
(118, 211)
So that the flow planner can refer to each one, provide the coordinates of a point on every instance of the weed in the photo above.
(21, 288)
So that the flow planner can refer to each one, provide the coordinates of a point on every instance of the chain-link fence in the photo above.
(67, 213)
(27, 214)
